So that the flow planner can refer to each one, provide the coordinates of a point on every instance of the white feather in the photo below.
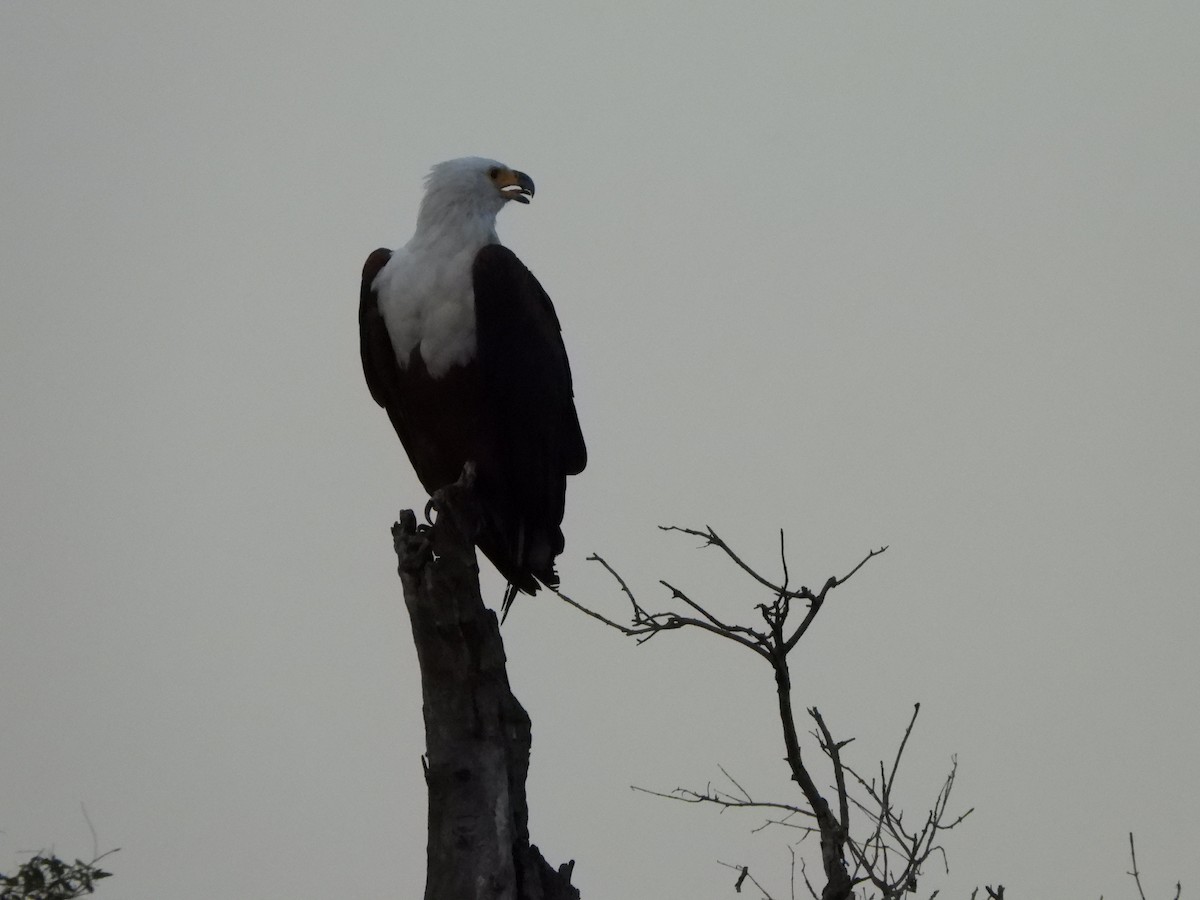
(425, 292)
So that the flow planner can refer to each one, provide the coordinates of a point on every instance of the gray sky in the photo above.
(922, 275)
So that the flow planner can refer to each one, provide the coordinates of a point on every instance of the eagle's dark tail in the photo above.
(526, 560)
(510, 594)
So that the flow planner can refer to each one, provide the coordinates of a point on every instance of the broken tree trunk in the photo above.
(477, 736)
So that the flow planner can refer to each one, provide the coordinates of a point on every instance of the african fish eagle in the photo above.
(462, 347)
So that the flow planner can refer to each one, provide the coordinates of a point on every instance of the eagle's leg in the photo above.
(467, 478)
(458, 500)
(466, 481)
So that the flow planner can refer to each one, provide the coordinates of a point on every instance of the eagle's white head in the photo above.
(425, 292)
(463, 197)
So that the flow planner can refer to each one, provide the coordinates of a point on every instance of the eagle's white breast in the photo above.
(426, 299)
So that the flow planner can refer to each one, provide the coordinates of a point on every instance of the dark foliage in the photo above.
(46, 877)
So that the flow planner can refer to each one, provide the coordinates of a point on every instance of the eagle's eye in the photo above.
(493, 172)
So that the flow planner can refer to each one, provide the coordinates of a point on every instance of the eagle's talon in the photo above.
(412, 542)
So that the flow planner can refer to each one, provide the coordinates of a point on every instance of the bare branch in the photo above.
(646, 625)
(892, 857)
(726, 801)
(816, 601)
(833, 751)
(711, 538)
(805, 830)
(891, 854)
(639, 614)
(595, 615)
(903, 744)
(755, 640)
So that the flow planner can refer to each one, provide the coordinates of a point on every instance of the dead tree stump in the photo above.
(477, 736)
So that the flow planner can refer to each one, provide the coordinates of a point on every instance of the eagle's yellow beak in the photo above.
(514, 185)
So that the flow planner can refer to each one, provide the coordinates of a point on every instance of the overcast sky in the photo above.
(915, 274)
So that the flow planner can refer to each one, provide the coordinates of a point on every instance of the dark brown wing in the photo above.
(526, 383)
(523, 359)
(375, 347)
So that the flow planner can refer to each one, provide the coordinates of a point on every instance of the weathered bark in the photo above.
(477, 734)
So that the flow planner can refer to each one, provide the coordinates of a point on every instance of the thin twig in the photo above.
(903, 744)
(807, 883)
(638, 613)
(685, 795)
(1136, 877)
(733, 781)
(783, 560)
(92, 829)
